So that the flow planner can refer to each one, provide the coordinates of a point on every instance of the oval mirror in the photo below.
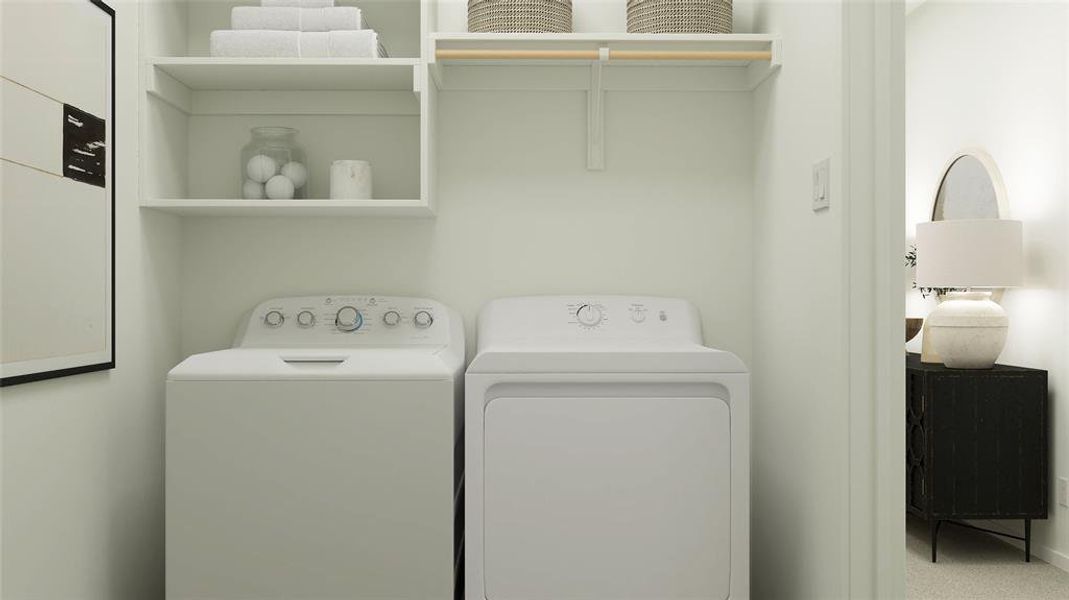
(971, 189)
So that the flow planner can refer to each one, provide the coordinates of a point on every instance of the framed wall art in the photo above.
(57, 189)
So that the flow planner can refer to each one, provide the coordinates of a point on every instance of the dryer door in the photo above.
(607, 498)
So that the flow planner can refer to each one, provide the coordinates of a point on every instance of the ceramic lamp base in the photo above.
(928, 353)
(967, 330)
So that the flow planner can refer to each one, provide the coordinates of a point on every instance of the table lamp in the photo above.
(968, 329)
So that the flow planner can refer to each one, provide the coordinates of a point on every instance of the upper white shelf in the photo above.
(327, 74)
(717, 62)
(178, 80)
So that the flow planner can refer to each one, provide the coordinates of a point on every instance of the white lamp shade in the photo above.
(970, 253)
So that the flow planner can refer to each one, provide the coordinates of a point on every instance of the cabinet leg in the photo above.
(933, 527)
(1028, 540)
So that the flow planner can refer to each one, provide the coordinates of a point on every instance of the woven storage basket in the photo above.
(520, 16)
(679, 16)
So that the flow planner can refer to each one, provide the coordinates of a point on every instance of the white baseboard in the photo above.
(1048, 555)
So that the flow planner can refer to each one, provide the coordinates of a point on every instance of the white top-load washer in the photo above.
(320, 457)
(607, 454)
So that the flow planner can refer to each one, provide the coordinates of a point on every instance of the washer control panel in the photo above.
(345, 320)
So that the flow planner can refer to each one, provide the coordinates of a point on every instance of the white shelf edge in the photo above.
(604, 37)
(200, 73)
(290, 208)
(587, 41)
(733, 76)
(165, 61)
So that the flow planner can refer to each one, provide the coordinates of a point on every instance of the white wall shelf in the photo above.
(175, 80)
(599, 63)
(684, 62)
(197, 108)
(336, 74)
(291, 208)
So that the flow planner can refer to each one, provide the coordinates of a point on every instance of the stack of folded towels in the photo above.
(297, 28)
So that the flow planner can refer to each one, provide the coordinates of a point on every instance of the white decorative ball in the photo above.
(279, 188)
(296, 172)
(261, 168)
(252, 190)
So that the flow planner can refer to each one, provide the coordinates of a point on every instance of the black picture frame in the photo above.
(110, 147)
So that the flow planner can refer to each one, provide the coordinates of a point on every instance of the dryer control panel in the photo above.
(346, 320)
(604, 318)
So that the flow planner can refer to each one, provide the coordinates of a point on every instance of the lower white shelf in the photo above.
(291, 208)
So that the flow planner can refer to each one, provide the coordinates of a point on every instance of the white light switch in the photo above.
(822, 185)
(1063, 491)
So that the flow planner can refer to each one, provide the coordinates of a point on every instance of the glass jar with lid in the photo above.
(273, 165)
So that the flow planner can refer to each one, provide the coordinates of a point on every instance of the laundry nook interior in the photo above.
(431, 313)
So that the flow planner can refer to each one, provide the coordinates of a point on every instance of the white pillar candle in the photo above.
(350, 180)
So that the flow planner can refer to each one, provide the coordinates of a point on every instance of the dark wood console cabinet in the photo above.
(976, 445)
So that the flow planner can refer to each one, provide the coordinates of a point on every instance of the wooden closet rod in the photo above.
(468, 54)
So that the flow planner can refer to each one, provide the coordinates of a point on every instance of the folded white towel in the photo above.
(315, 45)
(298, 3)
(354, 44)
(272, 18)
(282, 44)
(256, 44)
(337, 18)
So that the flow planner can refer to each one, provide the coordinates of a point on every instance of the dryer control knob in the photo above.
(392, 318)
(589, 315)
(274, 319)
(348, 319)
(306, 318)
(423, 319)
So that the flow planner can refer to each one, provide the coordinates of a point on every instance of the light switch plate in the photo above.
(822, 185)
(1063, 491)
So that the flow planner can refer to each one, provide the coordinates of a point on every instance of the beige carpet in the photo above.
(975, 566)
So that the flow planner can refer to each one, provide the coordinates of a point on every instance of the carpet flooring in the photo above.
(975, 566)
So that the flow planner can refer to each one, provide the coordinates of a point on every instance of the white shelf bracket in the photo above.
(595, 154)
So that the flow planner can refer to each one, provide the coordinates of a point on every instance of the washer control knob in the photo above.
(348, 319)
(638, 315)
(392, 318)
(274, 319)
(306, 318)
(423, 319)
(589, 315)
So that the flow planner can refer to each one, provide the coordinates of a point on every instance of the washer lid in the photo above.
(263, 364)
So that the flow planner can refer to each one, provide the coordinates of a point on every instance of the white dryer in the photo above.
(319, 457)
(607, 454)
